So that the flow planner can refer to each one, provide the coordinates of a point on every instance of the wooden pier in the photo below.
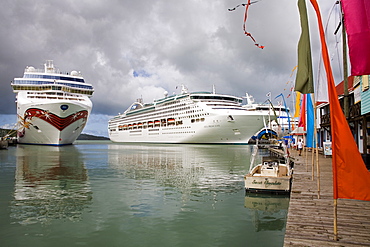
(311, 217)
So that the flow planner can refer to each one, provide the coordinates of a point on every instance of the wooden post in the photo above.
(306, 157)
(335, 220)
(317, 150)
(318, 172)
(313, 164)
(364, 135)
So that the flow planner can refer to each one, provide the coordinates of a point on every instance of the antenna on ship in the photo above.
(140, 100)
(250, 99)
(49, 66)
(184, 89)
(214, 89)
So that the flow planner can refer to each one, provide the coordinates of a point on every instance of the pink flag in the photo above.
(357, 22)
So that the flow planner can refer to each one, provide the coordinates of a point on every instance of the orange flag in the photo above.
(297, 105)
(351, 179)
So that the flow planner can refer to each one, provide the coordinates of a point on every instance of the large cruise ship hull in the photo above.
(216, 129)
(58, 122)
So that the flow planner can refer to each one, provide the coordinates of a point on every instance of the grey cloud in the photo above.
(197, 43)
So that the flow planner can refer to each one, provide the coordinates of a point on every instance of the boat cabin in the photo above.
(270, 167)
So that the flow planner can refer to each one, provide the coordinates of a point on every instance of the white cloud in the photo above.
(8, 121)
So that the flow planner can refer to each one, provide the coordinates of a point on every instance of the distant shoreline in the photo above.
(91, 137)
(4, 132)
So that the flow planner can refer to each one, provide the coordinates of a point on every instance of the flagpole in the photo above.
(345, 82)
(312, 164)
(345, 69)
(317, 153)
(335, 220)
(330, 79)
(305, 151)
(313, 143)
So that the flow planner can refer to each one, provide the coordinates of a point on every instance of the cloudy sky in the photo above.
(132, 49)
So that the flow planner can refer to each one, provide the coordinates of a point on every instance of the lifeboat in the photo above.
(171, 121)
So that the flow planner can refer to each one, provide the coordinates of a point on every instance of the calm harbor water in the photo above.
(106, 194)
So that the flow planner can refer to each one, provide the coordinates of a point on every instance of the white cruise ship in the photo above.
(277, 119)
(52, 106)
(200, 117)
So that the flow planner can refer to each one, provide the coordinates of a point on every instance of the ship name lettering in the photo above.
(267, 183)
(256, 182)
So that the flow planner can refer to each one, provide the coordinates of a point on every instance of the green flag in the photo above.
(304, 78)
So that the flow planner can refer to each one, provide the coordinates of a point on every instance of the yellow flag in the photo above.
(297, 104)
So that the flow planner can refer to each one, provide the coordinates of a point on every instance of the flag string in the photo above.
(245, 20)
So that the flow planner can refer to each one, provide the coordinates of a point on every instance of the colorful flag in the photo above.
(286, 109)
(321, 86)
(302, 117)
(351, 179)
(357, 22)
(297, 109)
(245, 21)
(310, 123)
(304, 77)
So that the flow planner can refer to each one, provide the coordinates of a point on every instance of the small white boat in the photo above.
(272, 175)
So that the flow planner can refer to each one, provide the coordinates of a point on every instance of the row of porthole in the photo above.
(150, 124)
(156, 123)
(198, 120)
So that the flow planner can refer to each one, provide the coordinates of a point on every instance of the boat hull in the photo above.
(216, 129)
(58, 122)
(267, 184)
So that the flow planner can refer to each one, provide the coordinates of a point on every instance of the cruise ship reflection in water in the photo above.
(268, 212)
(179, 175)
(50, 183)
(186, 167)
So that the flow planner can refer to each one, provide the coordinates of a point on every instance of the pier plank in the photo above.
(311, 219)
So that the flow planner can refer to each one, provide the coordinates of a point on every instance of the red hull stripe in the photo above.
(51, 118)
